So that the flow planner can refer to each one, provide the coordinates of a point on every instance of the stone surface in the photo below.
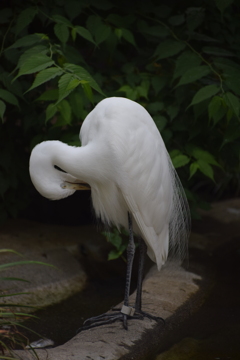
(172, 293)
(227, 211)
(163, 293)
(48, 244)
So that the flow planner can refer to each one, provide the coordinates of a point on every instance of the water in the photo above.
(60, 322)
(213, 333)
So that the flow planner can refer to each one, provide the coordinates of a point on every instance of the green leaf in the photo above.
(195, 17)
(100, 30)
(155, 107)
(10, 314)
(62, 32)
(2, 109)
(85, 33)
(200, 154)
(25, 18)
(187, 60)
(131, 93)
(204, 93)
(159, 82)
(217, 51)
(143, 88)
(204, 38)
(77, 107)
(216, 110)
(74, 34)
(168, 48)
(66, 84)
(128, 36)
(193, 168)
(29, 40)
(118, 33)
(88, 91)
(65, 111)
(82, 74)
(50, 111)
(232, 134)
(232, 102)
(34, 64)
(49, 95)
(194, 74)
(223, 4)
(174, 153)
(206, 169)
(11, 251)
(114, 238)
(160, 122)
(115, 254)
(62, 20)
(172, 111)
(180, 160)
(8, 97)
(35, 50)
(93, 21)
(25, 262)
(46, 75)
(102, 33)
(226, 64)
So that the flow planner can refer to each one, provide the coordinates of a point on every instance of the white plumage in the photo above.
(125, 162)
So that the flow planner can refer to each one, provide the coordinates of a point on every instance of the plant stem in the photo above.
(190, 47)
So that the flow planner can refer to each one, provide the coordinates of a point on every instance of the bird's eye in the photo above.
(59, 169)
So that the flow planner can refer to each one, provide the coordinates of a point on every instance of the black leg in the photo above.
(142, 254)
(138, 301)
(126, 310)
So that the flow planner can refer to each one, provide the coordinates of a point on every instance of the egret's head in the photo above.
(45, 172)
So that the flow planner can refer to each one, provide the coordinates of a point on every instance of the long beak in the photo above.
(75, 186)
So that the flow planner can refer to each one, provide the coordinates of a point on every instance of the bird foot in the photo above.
(141, 313)
(150, 316)
(123, 314)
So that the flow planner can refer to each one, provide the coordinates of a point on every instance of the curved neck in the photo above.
(80, 162)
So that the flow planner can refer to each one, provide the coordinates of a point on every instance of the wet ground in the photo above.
(213, 332)
(98, 297)
(104, 289)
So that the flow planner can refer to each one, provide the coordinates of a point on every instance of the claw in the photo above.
(122, 315)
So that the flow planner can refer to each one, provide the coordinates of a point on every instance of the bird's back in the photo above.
(138, 174)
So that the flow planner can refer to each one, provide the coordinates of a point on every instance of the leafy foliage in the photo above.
(179, 61)
(118, 242)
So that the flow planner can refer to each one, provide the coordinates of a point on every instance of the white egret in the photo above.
(133, 184)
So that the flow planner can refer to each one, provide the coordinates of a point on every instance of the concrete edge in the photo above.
(172, 293)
